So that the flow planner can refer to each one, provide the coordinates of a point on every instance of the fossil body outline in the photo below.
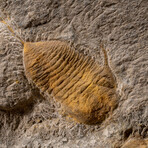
(85, 89)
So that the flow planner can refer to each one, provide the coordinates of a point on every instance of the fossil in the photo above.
(86, 89)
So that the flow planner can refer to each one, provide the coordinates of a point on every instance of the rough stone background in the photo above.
(29, 120)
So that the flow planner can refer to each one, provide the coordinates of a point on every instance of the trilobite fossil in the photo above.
(84, 88)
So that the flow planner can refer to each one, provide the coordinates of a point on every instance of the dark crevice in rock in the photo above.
(127, 133)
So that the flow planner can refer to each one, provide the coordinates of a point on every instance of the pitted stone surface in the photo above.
(124, 28)
(14, 89)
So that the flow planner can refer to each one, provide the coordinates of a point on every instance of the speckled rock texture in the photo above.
(30, 119)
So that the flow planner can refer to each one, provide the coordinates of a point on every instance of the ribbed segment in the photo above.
(86, 89)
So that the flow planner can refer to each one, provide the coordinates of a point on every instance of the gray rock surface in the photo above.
(29, 120)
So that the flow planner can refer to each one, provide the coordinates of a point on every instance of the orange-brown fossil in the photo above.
(86, 89)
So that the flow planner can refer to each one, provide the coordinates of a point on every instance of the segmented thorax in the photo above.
(84, 88)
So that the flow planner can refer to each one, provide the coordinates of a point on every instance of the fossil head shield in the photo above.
(85, 89)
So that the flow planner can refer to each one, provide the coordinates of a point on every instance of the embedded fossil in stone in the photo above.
(85, 89)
